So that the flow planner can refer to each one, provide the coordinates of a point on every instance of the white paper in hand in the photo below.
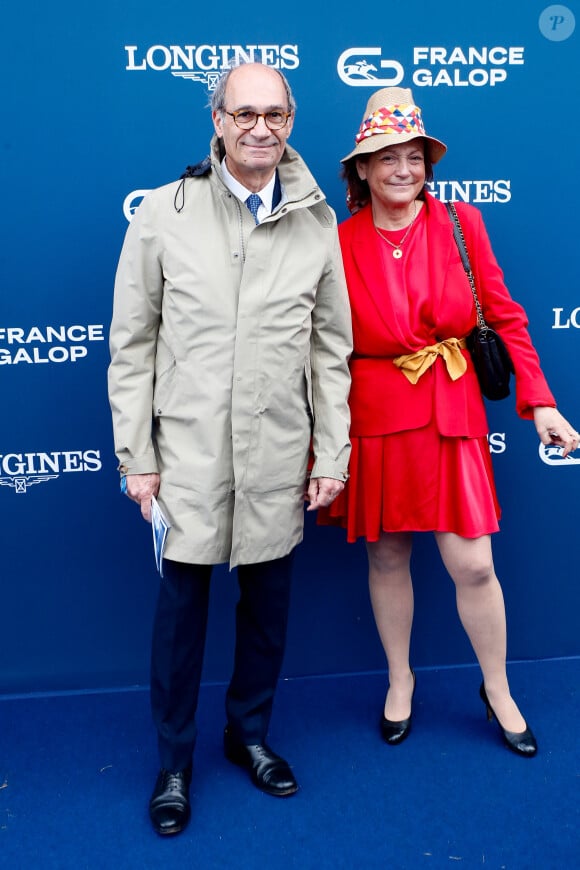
(160, 528)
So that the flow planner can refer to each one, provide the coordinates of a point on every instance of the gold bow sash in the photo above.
(413, 365)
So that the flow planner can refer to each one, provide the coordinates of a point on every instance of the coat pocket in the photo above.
(308, 386)
(164, 379)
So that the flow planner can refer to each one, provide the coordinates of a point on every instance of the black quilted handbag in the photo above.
(490, 356)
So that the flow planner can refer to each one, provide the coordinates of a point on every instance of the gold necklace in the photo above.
(397, 252)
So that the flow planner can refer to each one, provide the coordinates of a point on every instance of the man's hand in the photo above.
(140, 488)
(322, 491)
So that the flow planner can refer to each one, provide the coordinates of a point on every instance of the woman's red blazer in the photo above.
(382, 399)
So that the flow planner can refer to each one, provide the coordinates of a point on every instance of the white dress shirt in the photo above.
(243, 193)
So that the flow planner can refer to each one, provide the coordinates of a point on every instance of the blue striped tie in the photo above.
(254, 202)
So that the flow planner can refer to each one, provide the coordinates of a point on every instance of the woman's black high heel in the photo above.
(396, 732)
(522, 742)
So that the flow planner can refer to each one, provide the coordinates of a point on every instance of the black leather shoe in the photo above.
(521, 742)
(169, 808)
(268, 771)
(395, 732)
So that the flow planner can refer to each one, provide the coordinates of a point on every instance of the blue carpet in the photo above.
(76, 772)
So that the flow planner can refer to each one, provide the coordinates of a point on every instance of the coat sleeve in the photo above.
(505, 315)
(133, 339)
(331, 346)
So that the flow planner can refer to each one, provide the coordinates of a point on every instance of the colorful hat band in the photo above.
(392, 119)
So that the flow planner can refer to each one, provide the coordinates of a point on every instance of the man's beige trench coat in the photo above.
(229, 351)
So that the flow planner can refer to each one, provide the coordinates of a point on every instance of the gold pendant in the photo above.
(397, 253)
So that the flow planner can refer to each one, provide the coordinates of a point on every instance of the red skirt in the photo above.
(416, 481)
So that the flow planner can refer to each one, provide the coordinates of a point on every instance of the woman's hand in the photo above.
(552, 428)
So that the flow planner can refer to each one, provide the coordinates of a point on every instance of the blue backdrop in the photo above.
(103, 104)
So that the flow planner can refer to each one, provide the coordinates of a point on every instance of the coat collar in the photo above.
(298, 183)
(296, 187)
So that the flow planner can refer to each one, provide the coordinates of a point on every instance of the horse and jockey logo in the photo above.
(361, 68)
(355, 69)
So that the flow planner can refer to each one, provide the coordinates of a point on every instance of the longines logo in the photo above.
(552, 455)
(566, 321)
(472, 191)
(433, 66)
(22, 470)
(47, 344)
(496, 442)
(451, 191)
(205, 63)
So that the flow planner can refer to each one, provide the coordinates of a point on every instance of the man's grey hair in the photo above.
(218, 97)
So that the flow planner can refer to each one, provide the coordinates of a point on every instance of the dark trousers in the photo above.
(179, 633)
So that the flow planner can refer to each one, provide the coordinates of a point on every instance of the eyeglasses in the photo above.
(246, 120)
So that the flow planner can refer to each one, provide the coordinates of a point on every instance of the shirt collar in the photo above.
(243, 193)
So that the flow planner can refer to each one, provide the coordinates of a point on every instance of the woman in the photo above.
(420, 459)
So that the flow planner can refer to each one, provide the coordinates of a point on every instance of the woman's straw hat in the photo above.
(391, 117)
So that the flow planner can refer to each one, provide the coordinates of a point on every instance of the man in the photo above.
(229, 343)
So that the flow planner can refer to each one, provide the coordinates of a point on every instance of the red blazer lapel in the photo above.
(364, 271)
(442, 249)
